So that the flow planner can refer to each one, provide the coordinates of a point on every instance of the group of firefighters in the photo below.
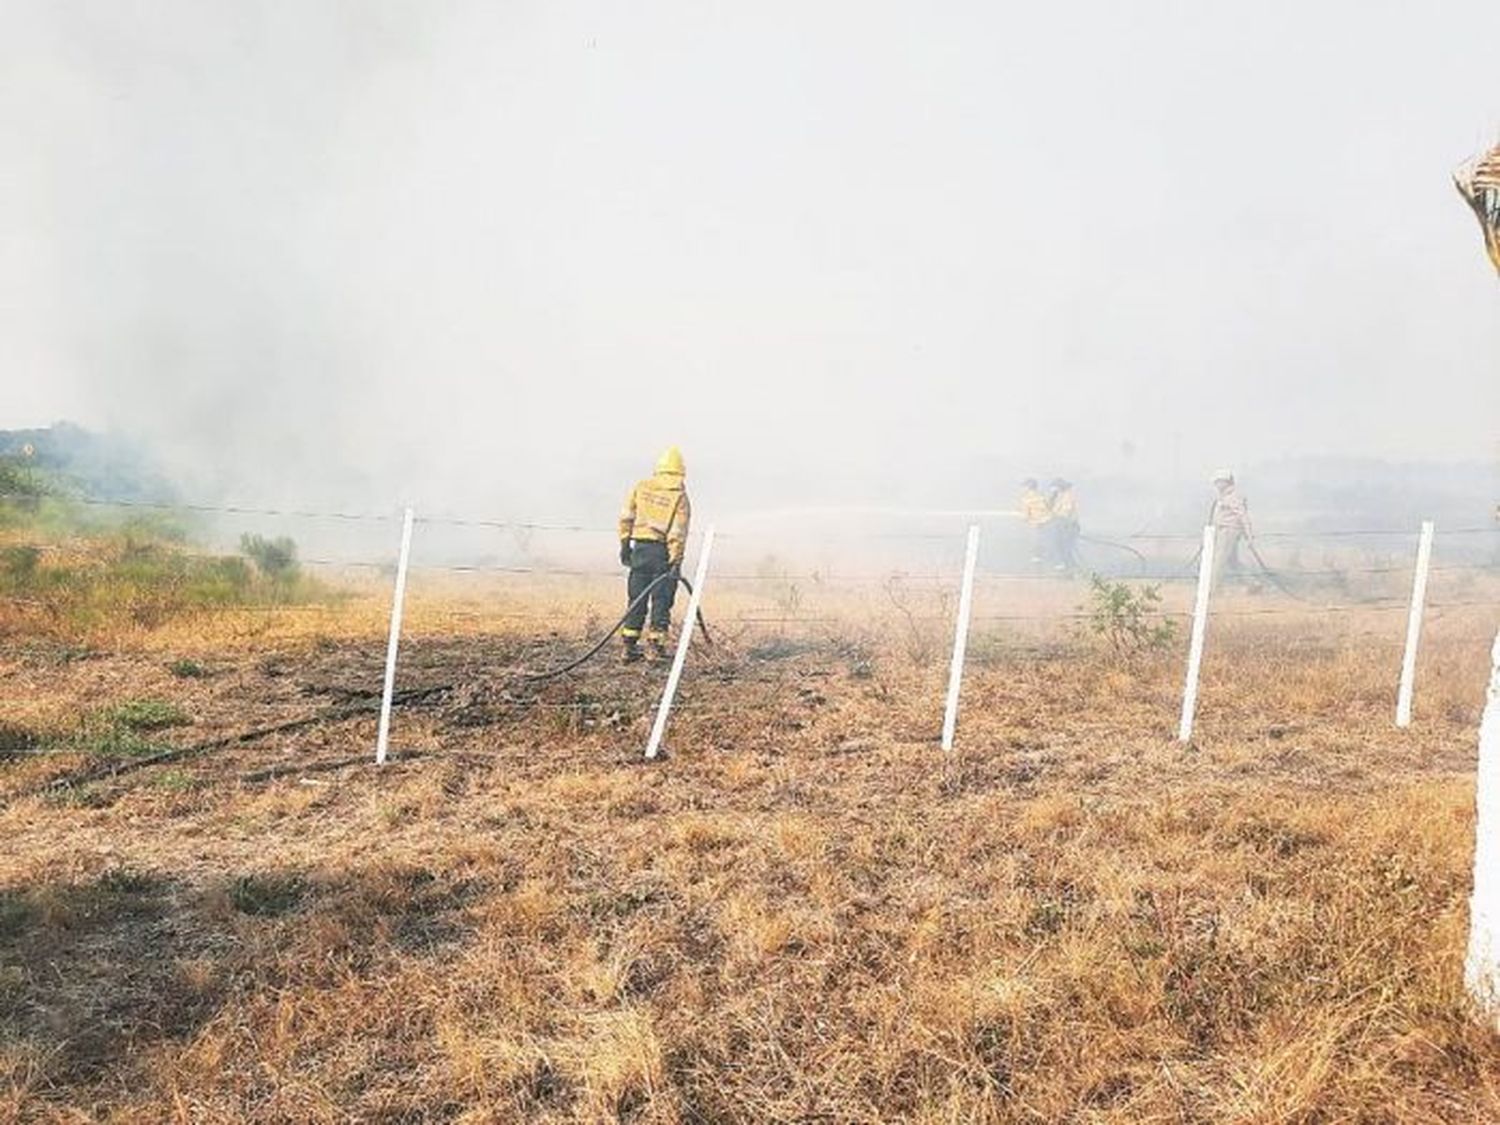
(654, 523)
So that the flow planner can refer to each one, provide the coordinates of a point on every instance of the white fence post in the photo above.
(960, 637)
(1414, 627)
(1200, 625)
(382, 741)
(659, 727)
(1482, 965)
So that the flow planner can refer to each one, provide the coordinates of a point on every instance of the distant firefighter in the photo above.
(653, 539)
(1038, 515)
(1062, 506)
(1230, 517)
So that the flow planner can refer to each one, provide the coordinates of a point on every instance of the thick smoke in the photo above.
(494, 256)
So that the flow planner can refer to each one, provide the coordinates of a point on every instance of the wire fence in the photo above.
(511, 524)
(809, 583)
(812, 578)
(776, 596)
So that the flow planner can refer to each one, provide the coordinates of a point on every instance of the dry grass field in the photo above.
(803, 912)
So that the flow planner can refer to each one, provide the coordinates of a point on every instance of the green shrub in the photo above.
(1128, 620)
(46, 507)
(21, 482)
(146, 714)
(268, 894)
(274, 558)
(18, 565)
(122, 730)
(132, 569)
(110, 741)
(140, 582)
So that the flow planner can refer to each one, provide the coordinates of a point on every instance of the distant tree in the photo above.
(20, 480)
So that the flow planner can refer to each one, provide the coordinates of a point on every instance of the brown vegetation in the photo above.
(805, 912)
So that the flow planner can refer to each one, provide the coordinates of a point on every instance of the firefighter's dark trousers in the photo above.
(648, 562)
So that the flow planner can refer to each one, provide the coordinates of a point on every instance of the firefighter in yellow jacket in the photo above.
(653, 538)
(1038, 514)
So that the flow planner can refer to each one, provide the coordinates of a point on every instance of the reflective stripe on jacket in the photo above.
(658, 511)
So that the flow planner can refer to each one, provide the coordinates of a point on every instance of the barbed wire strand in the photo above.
(511, 524)
(817, 579)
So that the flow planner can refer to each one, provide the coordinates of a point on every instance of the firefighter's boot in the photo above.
(632, 653)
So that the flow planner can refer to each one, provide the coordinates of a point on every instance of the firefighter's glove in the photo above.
(624, 552)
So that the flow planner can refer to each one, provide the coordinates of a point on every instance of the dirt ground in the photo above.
(803, 911)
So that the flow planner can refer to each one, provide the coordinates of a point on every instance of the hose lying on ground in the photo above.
(343, 711)
(564, 669)
(114, 769)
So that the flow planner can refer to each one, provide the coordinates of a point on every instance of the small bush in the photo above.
(141, 582)
(268, 895)
(111, 742)
(18, 565)
(923, 639)
(21, 481)
(121, 731)
(146, 714)
(185, 669)
(16, 739)
(274, 558)
(1128, 619)
(128, 881)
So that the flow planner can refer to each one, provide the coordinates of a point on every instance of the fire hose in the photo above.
(564, 669)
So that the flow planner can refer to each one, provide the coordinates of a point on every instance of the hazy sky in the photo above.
(414, 246)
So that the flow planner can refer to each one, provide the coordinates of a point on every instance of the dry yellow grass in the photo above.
(805, 912)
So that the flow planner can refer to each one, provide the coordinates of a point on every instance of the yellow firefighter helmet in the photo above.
(671, 462)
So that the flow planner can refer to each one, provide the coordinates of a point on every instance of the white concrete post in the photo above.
(1482, 965)
(382, 742)
(1200, 625)
(1414, 627)
(960, 637)
(659, 727)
